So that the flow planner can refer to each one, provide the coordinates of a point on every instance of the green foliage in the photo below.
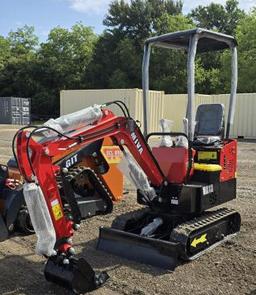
(208, 80)
(41, 72)
(78, 58)
(222, 18)
(62, 61)
(18, 53)
(23, 40)
(5, 52)
(65, 56)
(119, 51)
(167, 23)
(138, 18)
(168, 67)
(246, 38)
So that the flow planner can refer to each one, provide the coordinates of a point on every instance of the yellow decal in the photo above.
(200, 240)
(112, 154)
(207, 155)
(56, 209)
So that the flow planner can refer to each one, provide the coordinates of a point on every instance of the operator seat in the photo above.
(210, 127)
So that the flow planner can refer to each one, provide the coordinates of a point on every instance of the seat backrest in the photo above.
(210, 120)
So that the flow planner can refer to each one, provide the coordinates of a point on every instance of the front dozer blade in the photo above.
(159, 253)
(168, 245)
(77, 276)
(3, 230)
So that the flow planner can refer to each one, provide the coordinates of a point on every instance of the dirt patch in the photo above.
(228, 269)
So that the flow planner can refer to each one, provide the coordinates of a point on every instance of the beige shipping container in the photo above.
(245, 114)
(175, 110)
(245, 119)
(160, 105)
(74, 100)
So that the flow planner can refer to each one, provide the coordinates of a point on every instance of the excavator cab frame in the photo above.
(192, 41)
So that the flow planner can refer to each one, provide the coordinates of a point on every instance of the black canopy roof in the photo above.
(208, 40)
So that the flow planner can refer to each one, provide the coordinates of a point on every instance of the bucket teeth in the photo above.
(77, 275)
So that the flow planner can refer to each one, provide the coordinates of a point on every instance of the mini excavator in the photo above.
(177, 185)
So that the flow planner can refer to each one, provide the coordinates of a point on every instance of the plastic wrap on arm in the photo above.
(165, 126)
(182, 141)
(75, 120)
(40, 218)
(151, 227)
(185, 125)
(137, 176)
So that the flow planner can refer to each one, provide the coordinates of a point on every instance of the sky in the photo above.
(47, 14)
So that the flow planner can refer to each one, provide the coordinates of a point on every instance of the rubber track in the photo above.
(182, 232)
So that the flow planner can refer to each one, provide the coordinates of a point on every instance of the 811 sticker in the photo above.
(207, 189)
(56, 209)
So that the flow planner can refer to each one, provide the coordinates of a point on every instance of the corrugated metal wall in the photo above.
(155, 107)
(175, 110)
(73, 100)
(245, 115)
(170, 106)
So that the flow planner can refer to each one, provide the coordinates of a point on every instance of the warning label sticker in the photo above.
(202, 155)
(112, 154)
(56, 209)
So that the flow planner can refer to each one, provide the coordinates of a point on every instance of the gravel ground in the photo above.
(228, 269)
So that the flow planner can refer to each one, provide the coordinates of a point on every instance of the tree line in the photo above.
(80, 59)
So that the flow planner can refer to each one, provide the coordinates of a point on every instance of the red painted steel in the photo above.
(123, 131)
(173, 161)
(228, 160)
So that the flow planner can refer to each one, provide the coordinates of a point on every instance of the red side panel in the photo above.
(173, 161)
(228, 160)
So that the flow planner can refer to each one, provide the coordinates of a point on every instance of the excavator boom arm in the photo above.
(36, 164)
